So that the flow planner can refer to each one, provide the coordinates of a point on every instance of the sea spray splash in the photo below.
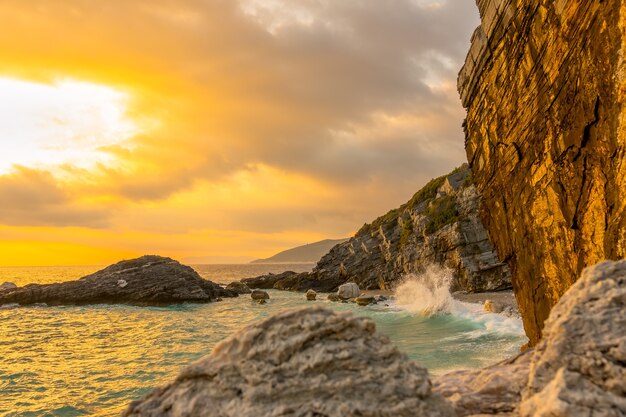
(426, 293)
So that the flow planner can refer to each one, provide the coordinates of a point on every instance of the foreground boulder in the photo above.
(149, 280)
(310, 362)
(579, 367)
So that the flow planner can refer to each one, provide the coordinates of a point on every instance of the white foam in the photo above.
(429, 294)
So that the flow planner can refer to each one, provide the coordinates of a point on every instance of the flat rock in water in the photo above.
(149, 280)
(239, 288)
(266, 282)
(310, 362)
(365, 300)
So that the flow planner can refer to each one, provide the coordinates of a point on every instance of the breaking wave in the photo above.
(427, 293)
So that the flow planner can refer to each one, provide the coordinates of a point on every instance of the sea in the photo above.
(94, 360)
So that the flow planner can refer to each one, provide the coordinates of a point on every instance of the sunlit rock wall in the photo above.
(544, 87)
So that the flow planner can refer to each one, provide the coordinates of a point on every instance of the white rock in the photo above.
(122, 283)
(349, 290)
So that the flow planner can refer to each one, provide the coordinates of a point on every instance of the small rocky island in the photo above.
(148, 280)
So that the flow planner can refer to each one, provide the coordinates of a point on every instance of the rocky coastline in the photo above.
(439, 226)
(316, 362)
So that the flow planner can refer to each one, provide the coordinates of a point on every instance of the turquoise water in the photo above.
(71, 361)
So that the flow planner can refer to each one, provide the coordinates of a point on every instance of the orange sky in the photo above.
(218, 130)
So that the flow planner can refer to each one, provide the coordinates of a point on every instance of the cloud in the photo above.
(333, 111)
(33, 198)
(242, 83)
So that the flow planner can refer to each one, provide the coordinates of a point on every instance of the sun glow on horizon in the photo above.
(65, 122)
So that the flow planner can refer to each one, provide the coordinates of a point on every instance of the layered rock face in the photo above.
(544, 85)
(439, 225)
(144, 281)
(310, 362)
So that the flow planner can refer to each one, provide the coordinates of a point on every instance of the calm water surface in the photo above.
(93, 360)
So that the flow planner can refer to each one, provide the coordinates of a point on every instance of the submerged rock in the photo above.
(239, 288)
(579, 367)
(311, 295)
(348, 291)
(365, 300)
(149, 280)
(310, 362)
(259, 295)
(333, 297)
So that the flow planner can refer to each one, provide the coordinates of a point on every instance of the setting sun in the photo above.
(66, 122)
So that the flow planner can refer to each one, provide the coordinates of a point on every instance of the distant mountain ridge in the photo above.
(311, 252)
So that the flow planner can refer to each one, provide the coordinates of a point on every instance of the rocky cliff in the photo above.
(439, 225)
(544, 86)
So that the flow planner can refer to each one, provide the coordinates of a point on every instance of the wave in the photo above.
(428, 294)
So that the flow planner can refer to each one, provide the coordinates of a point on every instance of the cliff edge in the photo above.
(544, 86)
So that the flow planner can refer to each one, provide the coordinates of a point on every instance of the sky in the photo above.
(219, 131)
